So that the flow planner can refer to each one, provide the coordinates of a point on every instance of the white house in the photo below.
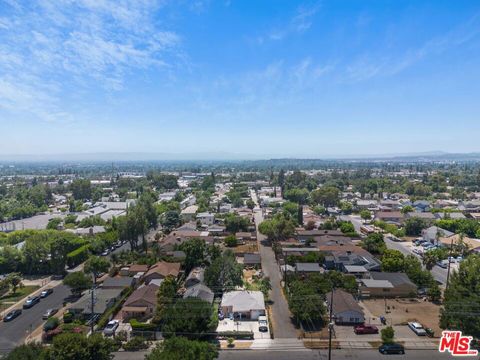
(206, 218)
(243, 303)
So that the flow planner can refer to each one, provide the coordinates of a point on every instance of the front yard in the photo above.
(402, 311)
(9, 298)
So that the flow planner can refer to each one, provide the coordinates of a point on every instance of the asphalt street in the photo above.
(14, 332)
(351, 354)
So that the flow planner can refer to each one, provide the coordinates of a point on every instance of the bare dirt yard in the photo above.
(401, 311)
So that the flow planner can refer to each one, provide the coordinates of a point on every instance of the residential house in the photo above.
(135, 269)
(384, 284)
(161, 270)
(427, 216)
(422, 205)
(199, 291)
(345, 308)
(120, 282)
(433, 233)
(206, 218)
(141, 303)
(243, 303)
(196, 276)
(450, 215)
(391, 217)
(252, 260)
(189, 213)
(308, 268)
(104, 299)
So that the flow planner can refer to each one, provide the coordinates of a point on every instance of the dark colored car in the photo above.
(392, 349)
(31, 302)
(12, 315)
(365, 329)
(46, 292)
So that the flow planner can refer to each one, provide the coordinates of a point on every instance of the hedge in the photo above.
(77, 256)
(141, 326)
(239, 335)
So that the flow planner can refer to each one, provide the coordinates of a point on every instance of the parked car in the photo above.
(110, 328)
(31, 301)
(49, 313)
(443, 264)
(365, 329)
(262, 324)
(220, 315)
(392, 349)
(46, 292)
(417, 328)
(105, 253)
(12, 315)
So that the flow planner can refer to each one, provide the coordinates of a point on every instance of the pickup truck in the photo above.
(365, 329)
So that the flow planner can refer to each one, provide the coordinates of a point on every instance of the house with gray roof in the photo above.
(199, 291)
(243, 303)
(345, 308)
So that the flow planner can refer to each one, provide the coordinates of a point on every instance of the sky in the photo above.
(252, 78)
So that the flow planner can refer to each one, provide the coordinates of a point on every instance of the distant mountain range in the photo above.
(226, 156)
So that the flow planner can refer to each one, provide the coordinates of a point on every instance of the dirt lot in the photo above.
(401, 311)
(250, 247)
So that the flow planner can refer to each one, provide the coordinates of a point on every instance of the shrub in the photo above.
(52, 323)
(239, 335)
(231, 241)
(67, 317)
(77, 256)
(135, 344)
(387, 335)
(140, 326)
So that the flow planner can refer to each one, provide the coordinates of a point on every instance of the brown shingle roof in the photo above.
(164, 268)
(147, 293)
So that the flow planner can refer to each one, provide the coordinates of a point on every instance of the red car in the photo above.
(365, 329)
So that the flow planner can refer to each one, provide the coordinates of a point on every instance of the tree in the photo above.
(30, 351)
(190, 317)
(231, 241)
(434, 293)
(429, 259)
(170, 220)
(407, 208)
(387, 335)
(15, 281)
(166, 293)
(298, 196)
(72, 346)
(81, 189)
(304, 303)
(96, 265)
(326, 196)
(310, 225)
(461, 304)
(414, 226)
(235, 223)
(374, 243)
(224, 273)
(278, 228)
(347, 227)
(180, 348)
(265, 286)
(77, 282)
(195, 253)
(392, 261)
(365, 215)
(250, 204)
(300, 215)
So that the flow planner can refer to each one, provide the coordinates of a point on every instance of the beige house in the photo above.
(383, 284)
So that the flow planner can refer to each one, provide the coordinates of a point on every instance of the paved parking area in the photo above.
(402, 332)
(244, 325)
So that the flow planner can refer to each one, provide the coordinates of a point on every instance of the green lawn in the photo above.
(10, 298)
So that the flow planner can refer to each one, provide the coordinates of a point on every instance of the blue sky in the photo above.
(256, 78)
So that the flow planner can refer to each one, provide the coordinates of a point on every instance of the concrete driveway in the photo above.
(243, 325)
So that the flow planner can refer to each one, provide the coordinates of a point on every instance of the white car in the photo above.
(112, 325)
(417, 328)
(262, 324)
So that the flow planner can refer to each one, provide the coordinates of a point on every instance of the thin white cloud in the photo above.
(78, 43)
(300, 22)
(371, 65)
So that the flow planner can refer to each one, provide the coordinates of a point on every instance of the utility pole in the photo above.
(330, 326)
(92, 320)
(449, 261)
